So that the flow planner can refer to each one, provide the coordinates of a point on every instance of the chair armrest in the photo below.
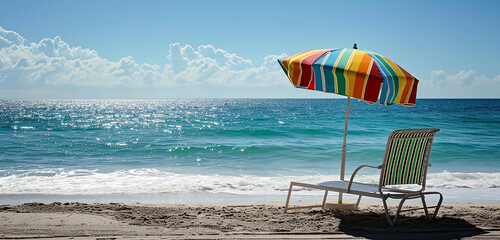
(356, 171)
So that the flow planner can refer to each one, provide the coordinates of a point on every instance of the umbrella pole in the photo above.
(339, 204)
(344, 146)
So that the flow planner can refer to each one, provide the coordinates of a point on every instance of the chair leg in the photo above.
(288, 198)
(438, 205)
(357, 203)
(392, 222)
(422, 197)
(424, 205)
(386, 209)
(324, 199)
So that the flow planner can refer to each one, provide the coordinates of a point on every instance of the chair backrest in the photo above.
(407, 156)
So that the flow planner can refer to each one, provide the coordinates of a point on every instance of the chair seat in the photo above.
(356, 188)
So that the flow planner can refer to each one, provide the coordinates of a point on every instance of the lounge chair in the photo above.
(405, 165)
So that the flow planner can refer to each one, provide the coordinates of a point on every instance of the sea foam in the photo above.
(154, 181)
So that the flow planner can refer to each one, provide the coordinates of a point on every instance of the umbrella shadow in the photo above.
(373, 225)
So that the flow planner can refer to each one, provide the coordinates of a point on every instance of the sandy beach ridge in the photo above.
(240, 221)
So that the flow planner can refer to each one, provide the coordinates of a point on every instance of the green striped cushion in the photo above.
(406, 156)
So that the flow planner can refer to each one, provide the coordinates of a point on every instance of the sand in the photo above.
(245, 221)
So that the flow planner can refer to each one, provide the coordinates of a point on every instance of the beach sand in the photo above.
(245, 221)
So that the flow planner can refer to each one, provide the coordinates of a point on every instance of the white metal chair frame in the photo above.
(380, 190)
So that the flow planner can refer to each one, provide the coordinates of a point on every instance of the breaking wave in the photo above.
(152, 181)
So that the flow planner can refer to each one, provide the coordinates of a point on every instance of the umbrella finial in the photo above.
(355, 46)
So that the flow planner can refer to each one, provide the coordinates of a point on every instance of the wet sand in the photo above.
(245, 221)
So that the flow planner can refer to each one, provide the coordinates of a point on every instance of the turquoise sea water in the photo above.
(230, 146)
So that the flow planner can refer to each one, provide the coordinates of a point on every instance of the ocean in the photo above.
(231, 150)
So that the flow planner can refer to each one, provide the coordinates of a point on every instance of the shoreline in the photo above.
(453, 195)
(243, 221)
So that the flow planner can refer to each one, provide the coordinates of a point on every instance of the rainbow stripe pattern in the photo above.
(351, 72)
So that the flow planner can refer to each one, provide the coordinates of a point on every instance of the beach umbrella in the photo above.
(354, 73)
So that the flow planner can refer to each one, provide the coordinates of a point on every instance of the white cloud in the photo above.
(206, 64)
(441, 78)
(462, 78)
(464, 84)
(52, 62)
(496, 80)
(8, 38)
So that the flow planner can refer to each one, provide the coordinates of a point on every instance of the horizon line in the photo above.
(174, 98)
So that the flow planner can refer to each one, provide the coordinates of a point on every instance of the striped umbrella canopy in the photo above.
(354, 73)
(359, 74)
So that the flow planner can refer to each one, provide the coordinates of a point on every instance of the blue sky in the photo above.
(176, 49)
